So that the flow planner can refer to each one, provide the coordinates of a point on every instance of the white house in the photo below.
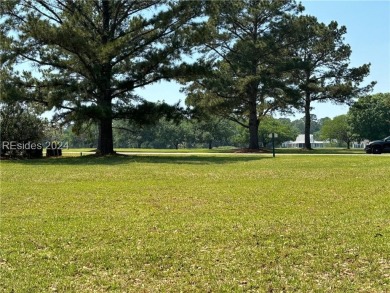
(300, 142)
(359, 145)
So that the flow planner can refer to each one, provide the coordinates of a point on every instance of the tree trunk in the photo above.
(210, 144)
(253, 130)
(307, 122)
(105, 143)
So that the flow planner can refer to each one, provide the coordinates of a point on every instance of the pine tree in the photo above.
(322, 66)
(91, 55)
(246, 43)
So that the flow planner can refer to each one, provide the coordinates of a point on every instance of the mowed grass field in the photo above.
(227, 223)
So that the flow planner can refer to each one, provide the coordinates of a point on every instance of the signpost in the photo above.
(273, 135)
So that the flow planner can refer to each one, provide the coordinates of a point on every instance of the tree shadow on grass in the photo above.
(144, 158)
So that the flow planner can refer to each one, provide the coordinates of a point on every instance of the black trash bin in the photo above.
(34, 153)
(53, 150)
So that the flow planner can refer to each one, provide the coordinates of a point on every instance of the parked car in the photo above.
(378, 146)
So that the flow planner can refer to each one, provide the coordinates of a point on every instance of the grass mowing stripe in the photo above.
(192, 223)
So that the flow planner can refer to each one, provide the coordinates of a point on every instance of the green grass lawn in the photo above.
(222, 150)
(227, 223)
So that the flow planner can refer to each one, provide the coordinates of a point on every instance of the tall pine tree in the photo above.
(246, 42)
(322, 71)
(91, 55)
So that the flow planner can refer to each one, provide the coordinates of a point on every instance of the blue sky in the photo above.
(368, 34)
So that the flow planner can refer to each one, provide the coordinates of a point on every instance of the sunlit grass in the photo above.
(195, 223)
(221, 150)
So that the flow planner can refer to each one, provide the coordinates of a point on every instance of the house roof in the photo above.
(301, 139)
